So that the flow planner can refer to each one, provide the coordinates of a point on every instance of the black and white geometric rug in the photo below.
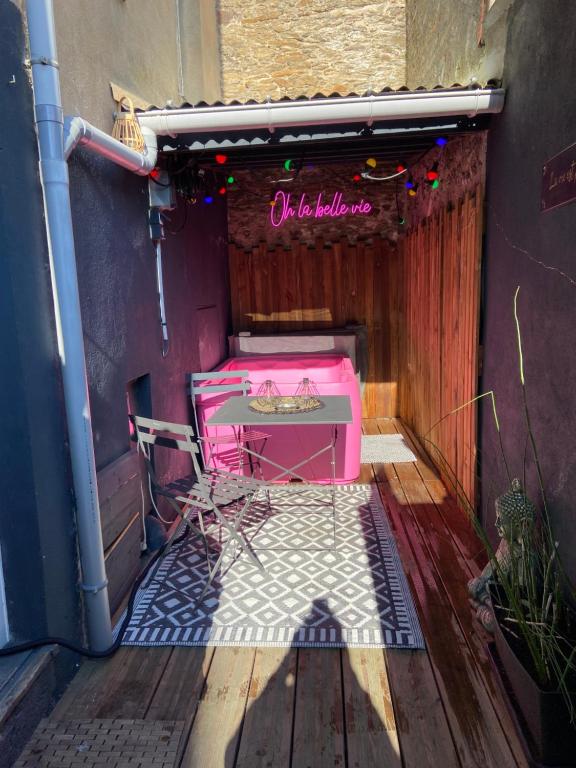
(328, 580)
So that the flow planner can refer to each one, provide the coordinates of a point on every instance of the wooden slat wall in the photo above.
(120, 508)
(326, 286)
(439, 340)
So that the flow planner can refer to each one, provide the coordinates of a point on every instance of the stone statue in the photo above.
(515, 516)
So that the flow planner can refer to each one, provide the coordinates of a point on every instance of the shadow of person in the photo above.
(316, 707)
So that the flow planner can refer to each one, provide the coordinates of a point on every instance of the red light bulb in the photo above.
(221, 159)
(356, 177)
(432, 174)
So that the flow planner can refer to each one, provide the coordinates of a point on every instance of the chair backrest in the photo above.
(199, 384)
(195, 388)
(165, 434)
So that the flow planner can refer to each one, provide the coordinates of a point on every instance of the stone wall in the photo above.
(461, 167)
(272, 48)
(454, 41)
(249, 207)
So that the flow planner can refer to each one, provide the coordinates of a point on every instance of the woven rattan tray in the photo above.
(288, 404)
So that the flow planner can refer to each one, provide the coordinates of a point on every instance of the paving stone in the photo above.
(103, 742)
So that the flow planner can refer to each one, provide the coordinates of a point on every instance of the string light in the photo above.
(368, 175)
(288, 165)
(432, 174)
(222, 191)
(208, 199)
(441, 141)
(371, 162)
(435, 184)
(230, 180)
(356, 177)
(221, 159)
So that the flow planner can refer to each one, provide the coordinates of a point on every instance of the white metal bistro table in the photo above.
(336, 411)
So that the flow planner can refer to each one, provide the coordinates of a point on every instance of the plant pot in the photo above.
(551, 736)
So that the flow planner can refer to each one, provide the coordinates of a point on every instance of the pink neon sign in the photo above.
(282, 208)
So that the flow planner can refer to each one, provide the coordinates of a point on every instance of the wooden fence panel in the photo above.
(438, 367)
(327, 285)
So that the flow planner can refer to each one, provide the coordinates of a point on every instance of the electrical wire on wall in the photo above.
(120, 631)
(161, 303)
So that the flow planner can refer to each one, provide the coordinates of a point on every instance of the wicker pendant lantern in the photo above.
(126, 127)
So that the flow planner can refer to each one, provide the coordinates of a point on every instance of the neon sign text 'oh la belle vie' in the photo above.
(282, 209)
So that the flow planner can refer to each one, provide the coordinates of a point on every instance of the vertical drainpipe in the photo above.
(55, 185)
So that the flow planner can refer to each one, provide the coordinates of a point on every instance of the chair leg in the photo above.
(234, 533)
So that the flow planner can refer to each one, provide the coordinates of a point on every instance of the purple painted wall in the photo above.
(535, 251)
(116, 263)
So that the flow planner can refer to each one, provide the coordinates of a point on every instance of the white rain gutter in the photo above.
(49, 119)
(356, 109)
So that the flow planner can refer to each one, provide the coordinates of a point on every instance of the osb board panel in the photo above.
(325, 286)
(119, 495)
(439, 341)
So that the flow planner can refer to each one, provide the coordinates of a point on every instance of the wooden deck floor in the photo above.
(278, 707)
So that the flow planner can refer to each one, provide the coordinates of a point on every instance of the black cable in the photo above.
(116, 644)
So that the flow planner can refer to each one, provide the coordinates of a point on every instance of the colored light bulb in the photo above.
(412, 192)
(208, 199)
(221, 159)
(432, 173)
(400, 168)
(222, 191)
(288, 165)
(230, 179)
(409, 184)
(356, 177)
(435, 184)
(441, 141)
(371, 162)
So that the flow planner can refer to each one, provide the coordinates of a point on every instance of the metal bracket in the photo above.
(271, 128)
(44, 60)
(49, 113)
(370, 120)
(94, 588)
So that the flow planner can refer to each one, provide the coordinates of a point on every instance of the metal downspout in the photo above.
(79, 132)
(55, 185)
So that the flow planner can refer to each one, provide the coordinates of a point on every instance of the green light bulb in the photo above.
(435, 184)
(230, 179)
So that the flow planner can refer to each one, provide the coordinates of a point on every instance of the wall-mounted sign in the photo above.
(285, 207)
(559, 179)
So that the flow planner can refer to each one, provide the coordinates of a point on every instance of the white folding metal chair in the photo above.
(199, 384)
(200, 494)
